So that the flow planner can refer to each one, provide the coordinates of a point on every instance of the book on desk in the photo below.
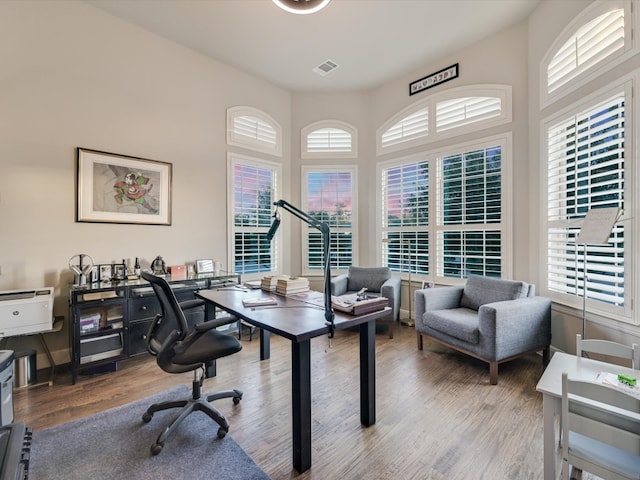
(259, 302)
(357, 306)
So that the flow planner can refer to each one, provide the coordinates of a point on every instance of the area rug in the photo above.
(115, 445)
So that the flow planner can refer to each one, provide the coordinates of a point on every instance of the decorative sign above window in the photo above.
(434, 79)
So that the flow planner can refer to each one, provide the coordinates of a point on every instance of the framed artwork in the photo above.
(426, 284)
(114, 188)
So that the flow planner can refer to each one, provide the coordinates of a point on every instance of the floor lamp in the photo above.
(409, 322)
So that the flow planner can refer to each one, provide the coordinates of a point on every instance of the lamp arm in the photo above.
(329, 315)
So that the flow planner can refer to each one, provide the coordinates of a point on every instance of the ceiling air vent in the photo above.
(326, 68)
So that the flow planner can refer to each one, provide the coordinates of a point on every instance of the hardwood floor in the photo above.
(437, 416)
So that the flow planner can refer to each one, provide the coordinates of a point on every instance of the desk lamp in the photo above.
(324, 229)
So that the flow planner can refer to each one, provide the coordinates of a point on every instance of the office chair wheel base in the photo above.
(236, 400)
(222, 432)
(156, 448)
(146, 418)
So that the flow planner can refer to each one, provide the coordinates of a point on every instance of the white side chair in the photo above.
(602, 428)
(612, 349)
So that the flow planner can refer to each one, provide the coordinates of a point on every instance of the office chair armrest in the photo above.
(187, 304)
(215, 322)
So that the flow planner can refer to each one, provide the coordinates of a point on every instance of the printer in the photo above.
(23, 312)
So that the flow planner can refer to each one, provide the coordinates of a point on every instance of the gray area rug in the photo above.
(114, 445)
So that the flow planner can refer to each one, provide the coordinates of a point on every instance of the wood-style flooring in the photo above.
(437, 415)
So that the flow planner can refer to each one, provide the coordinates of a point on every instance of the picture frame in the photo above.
(204, 266)
(427, 284)
(106, 272)
(114, 188)
(119, 272)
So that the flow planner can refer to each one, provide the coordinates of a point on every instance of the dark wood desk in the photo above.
(300, 322)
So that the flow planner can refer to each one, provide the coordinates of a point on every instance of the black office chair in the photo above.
(178, 350)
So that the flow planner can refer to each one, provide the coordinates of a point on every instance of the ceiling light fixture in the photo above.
(301, 7)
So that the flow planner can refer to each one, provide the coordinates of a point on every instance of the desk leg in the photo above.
(265, 344)
(368, 373)
(301, 404)
(549, 411)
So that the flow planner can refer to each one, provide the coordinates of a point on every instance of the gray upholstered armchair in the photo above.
(378, 282)
(491, 319)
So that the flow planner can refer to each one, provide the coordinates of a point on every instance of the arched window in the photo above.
(329, 139)
(599, 38)
(406, 128)
(251, 128)
(456, 111)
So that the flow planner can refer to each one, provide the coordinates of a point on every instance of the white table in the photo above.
(550, 385)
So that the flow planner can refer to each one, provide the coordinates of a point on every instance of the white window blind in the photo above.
(329, 140)
(412, 126)
(254, 129)
(592, 43)
(253, 189)
(469, 213)
(464, 111)
(586, 166)
(405, 219)
(462, 253)
(251, 128)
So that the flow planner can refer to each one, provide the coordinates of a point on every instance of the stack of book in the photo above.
(288, 286)
(270, 282)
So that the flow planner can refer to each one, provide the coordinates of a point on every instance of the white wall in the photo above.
(74, 76)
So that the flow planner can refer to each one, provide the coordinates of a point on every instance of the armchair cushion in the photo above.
(460, 323)
(480, 290)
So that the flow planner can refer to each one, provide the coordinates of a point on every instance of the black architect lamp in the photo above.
(324, 229)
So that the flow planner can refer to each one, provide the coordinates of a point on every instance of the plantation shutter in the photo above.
(586, 170)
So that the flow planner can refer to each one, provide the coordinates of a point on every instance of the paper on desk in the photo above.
(611, 379)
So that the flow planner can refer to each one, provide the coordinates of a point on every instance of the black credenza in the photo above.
(110, 322)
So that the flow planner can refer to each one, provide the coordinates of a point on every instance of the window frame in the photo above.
(234, 159)
(584, 76)
(324, 124)
(430, 103)
(504, 141)
(305, 171)
(601, 310)
(434, 228)
(237, 140)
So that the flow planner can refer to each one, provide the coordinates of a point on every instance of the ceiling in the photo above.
(372, 41)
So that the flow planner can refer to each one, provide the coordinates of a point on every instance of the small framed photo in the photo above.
(426, 284)
(94, 275)
(204, 266)
(118, 272)
(106, 273)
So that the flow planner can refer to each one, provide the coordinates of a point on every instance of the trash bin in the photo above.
(25, 370)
